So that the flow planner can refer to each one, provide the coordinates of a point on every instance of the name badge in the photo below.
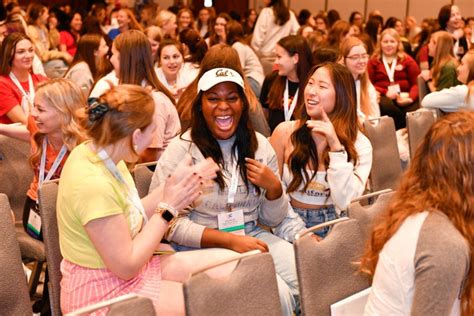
(394, 88)
(232, 222)
(34, 223)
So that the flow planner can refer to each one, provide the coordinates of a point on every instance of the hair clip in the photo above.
(96, 110)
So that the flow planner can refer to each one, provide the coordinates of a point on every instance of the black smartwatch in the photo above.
(166, 212)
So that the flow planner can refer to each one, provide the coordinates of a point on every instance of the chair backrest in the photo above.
(128, 304)
(16, 172)
(47, 204)
(422, 88)
(326, 269)
(367, 214)
(14, 297)
(142, 176)
(251, 289)
(135, 306)
(418, 124)
(386, 164)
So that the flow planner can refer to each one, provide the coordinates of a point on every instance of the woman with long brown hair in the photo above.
(280, 88)
(323, 157)
(420, 254)
(133, 64)
(89, 62)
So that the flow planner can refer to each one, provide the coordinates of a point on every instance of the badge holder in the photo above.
(232, 222)
(33, 228)
(395, 88)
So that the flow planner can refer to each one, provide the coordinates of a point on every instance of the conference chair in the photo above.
(423, 89)
(47, 204)
(129, 304)
(251, 289)
(386, 164)
(366, 214)
(17, 175)
(14, 298)
(418, 124)
(142, 176)
(326, 269)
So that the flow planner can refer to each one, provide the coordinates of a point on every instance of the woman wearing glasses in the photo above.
(355, 57)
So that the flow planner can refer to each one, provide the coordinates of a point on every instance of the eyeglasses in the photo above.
(358, 57)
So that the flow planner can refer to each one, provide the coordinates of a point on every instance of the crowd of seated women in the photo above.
(255, 125)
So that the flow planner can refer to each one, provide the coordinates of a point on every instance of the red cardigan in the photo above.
(406, 74)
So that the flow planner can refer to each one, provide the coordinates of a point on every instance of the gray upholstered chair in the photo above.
(326, 269)
(418, 124)
(47, 204)
(386, 164)
(142, 176)
(423, 89)
(128, 304)
(14, 298)
(251, 289)
(366, 214)
(17, 175)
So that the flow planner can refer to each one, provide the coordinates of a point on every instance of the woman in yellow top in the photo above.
(107, 234)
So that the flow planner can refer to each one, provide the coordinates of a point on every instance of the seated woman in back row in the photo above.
(394, 75)
(323, 157)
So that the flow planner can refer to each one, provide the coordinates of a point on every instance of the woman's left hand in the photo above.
(262, 176)
(325, 127)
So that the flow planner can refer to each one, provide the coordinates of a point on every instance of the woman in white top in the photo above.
(420, 253)
(88, 62)
(455, 98)
(251, 65)
(273, 23)
(323, 157)
(354, 52)
(171, 59)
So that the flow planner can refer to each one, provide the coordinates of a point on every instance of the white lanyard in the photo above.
(289, 110)
(30, 97)
(234, 183)
(55, 165)
(390, 70)
(132, 192)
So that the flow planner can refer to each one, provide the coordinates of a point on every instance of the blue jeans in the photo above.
(313, 217)
(283, 259)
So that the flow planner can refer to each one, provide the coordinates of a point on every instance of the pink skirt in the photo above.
(81, 287)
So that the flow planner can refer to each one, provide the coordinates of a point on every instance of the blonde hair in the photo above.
(66, 98)
(393, 33)
(443, 53)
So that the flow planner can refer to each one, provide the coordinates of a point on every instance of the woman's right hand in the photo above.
(246, 243)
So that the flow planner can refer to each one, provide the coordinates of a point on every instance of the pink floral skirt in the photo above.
(81, 287)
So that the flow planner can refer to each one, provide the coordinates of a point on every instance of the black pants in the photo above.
(398, 113)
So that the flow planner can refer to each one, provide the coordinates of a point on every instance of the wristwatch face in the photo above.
(167, 216)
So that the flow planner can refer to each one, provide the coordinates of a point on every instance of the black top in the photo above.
(276, 116)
